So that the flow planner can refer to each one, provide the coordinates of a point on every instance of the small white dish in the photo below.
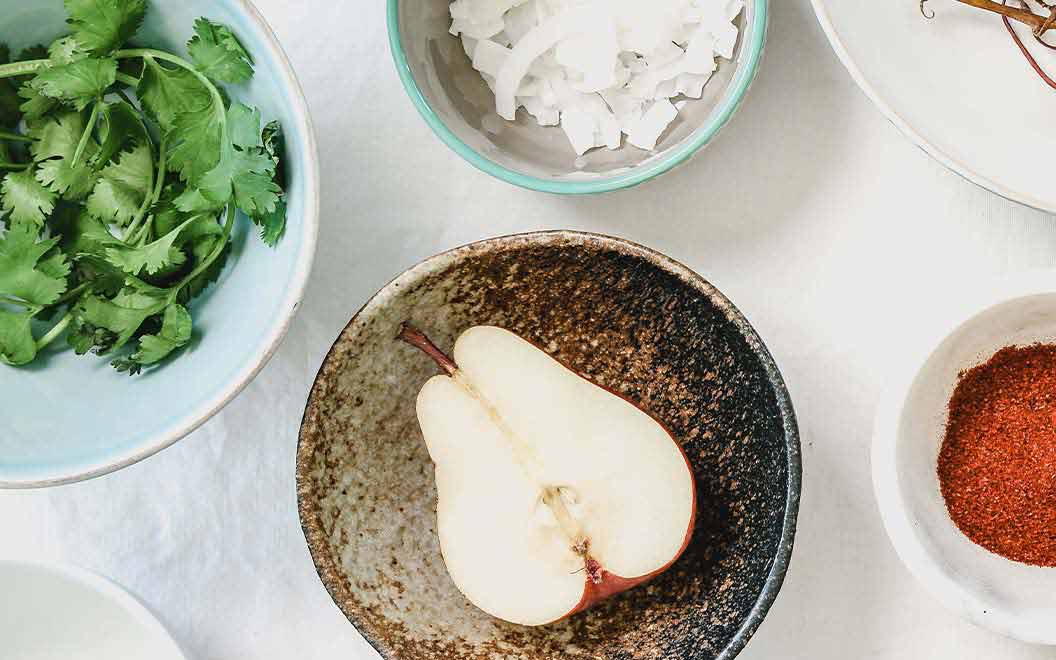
(956, 85)
(1012, 599)
(53, 612)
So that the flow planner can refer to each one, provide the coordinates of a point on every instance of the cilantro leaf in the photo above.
(247, 175)
(176, 329)
(166, 93)
(272, 225)
(201, 251)
(120, 128)
(218, 54)
(17, 346)
(274, 145)
(191, 200)
(71, 182)
(65, 51)
(121, 318)
(54, 264)
(152, 257)
(34, 104)
(100, 276)
(194, 142)
(78, 83)
(81, 233)
(25, 274)
(26, 199)
(84, 337)
(102, 26)
(256, 192)
(243, 125)
(244, 171)
(123, 187)
(57, 138)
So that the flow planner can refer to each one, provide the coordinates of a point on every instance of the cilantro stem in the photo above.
(127, 99)
(163, 154)
(54, 333)
(15, 137)
(14, 167)
(137, 235)
(151, 54)
(127, 79)
(229, 225)
(70, 295)
(23, 68)
(83, 144)
(148, 198)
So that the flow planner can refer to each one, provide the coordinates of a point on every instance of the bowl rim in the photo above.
(311, 524)
(728, 105)
(287, 307)
(887, 490)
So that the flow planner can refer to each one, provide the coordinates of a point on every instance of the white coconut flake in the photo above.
(647, 131)
(600, 69)
(581, 129)
(488, 57)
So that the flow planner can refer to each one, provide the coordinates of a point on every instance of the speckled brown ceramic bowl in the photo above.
(624, 316)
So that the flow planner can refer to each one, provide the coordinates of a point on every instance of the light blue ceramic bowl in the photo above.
(460, 109)
(66, 418)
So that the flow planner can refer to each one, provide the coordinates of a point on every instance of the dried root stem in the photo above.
(1022, 12)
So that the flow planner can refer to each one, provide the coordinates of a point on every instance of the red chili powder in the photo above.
(997, 467)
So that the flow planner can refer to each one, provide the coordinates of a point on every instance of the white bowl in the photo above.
(56, 612)
(1013, 599)
(457, 104)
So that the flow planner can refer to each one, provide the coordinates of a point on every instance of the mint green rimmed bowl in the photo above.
(459, 107)
(67, 419)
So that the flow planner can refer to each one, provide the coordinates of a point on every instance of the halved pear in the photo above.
(554, 493)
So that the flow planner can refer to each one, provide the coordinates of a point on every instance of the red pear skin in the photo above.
(599, 584)
(611, 585)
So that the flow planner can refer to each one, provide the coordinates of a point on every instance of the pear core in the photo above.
(553, 493)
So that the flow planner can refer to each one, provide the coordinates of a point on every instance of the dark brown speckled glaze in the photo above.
(626, 317)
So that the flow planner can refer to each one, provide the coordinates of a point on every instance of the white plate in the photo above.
(957, 86)
(50, 612)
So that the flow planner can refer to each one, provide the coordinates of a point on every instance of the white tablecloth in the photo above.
(826, 227)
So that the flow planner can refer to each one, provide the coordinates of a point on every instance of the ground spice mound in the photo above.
(997, 467)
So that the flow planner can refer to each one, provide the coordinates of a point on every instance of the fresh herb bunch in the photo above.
(123, 172)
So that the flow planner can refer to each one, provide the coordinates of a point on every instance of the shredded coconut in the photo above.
(600, 69)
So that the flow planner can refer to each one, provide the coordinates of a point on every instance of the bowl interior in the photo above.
(77, 416)
(450, 91)
(628, 319)
(1010, 595)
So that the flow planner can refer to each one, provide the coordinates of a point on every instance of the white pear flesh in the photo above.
(513, 426)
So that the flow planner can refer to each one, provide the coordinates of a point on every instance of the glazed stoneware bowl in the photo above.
(1012, 599)
(77, 418)
(623, 316)
(456, 103)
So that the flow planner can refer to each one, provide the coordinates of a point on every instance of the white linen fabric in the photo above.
(827, 228)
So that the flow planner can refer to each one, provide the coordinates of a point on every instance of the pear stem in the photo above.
(415, 337)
